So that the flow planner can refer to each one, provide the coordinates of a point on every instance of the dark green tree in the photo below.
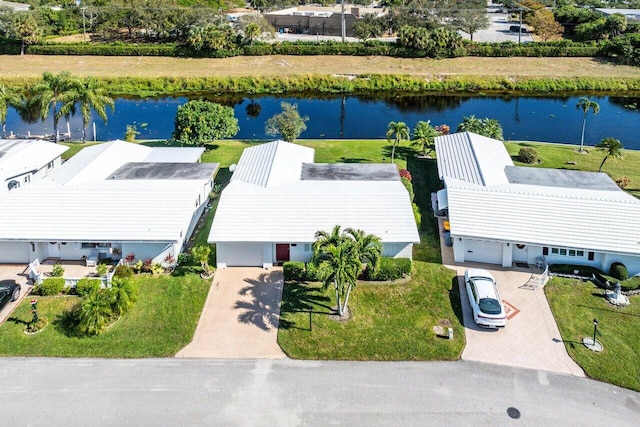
(368, 27)
(199, 122)
(471, 21)
(397, 133)
(53, 89)
(26, 29)
(90, 95)
(424, 136)
(95, 312)
(612, 148)
(289, 123)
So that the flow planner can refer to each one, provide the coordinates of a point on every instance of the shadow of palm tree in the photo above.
(262, 309)
(67, 322)
(354, 160)
(301, 297)
(402, 152)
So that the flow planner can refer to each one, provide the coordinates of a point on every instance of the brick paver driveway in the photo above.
(240, 317)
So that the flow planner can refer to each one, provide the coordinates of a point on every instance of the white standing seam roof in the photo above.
(472, 158)
(272, 163)
(19, 156)
(565, 217)
(268, 201)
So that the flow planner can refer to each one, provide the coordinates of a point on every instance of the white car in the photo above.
(484, 298)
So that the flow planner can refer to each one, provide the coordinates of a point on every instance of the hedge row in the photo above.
(539, 49)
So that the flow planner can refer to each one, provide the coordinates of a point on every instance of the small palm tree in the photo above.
(201, 253)
(91, 96)
(397, 132)
(612, 148)
(424, 136)
(470, 124)
(53, 88)
(368, 247)
(95, 312)
(585, 105)
(9, 97)
(123, 295)
(343, 265)
(324, 239)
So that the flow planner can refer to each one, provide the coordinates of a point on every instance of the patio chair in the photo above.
(540, 262)
(92, 259)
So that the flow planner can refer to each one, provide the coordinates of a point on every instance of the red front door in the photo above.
(282, 252)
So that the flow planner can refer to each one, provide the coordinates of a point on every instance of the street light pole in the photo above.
(84, 24)
(344, 30)
(520, 27)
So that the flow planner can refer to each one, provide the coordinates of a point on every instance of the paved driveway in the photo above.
(240, 317)
(17, 272)
(531, 338)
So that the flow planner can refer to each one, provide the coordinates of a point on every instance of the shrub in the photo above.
(101, 269)
(316, 273)
(409, 186)
(184, 258)
(57, 271)
(123, 271)
(405, 174)
(528, 155)
(51, 286)
(130, 258)
(389, 269)
(85, 286)
(157, 268)
(294, 270)
(619, 271)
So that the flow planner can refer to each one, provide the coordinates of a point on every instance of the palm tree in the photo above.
(90, 95)
(612, 148)
(123, 295)
(9, 97)
(341, 260)
(396, 133)
(470, 124)
(95, 312)
(368, 247)
(52, 89)
(325, 239)
(201, 253)
(585, 105)
(424, 136)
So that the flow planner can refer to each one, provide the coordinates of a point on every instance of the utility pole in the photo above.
(520, 27)
(84, 24)
(344, 30)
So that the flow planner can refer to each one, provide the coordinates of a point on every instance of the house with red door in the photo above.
(278, 198)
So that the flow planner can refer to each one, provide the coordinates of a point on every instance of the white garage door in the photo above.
(244, 255)
(15, 253)
(483, 251)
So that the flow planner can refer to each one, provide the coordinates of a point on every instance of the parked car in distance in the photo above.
(9, 291)
(484, 298)
(516, 29)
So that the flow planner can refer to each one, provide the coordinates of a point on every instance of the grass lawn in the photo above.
(575, 304)
(161, 322)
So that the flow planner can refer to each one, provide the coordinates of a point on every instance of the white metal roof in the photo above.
(19, 156)
(550, 216)
(273, 163)
(294, 212)
(472, 158)
(175, 155)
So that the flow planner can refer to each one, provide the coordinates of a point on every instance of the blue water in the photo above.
(549, 119)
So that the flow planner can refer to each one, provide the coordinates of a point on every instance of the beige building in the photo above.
(315, 20)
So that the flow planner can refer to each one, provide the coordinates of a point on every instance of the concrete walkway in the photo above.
(240, 317)
(531, 338)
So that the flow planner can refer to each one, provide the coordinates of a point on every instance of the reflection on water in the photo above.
(551, 119)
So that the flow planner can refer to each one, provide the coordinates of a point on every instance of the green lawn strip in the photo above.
(562, 156)
(161, 322)
(389, 322)
(74, 148)
(574, 305)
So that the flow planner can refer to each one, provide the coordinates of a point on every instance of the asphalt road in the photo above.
(83, 392)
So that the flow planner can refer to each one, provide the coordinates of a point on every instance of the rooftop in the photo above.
(349, 172)
(144, 170)
(560, 178)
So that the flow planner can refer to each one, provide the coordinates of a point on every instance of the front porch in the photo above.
(74, 271)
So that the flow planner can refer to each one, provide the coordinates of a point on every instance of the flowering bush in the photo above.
(130, 258)
(443, 129)
(405, 174)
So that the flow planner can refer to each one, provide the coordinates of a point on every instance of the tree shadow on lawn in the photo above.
(67, 322)
(611, 310)
(353, 160)
(303, 298)
(401, 152)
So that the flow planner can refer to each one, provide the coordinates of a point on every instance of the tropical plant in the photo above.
(57, 270)
(612, 148)
(101, 269)
(89, 93)
(585, 105)
(123, 294)
(199, 122)
(201, 254)
(130, 258)
(130, 133)
(491, 128)
(397, 132)
(9, 97)
(289, 123)
(424, 136)
(53, 88)
(368, 247)
(25, 28)
(95, 312)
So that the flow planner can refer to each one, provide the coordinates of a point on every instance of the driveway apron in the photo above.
(240, 316)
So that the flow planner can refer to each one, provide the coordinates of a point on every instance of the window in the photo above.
(50, 165)
(573, 253)
(86, 245)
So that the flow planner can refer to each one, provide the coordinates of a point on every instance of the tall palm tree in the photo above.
(368, 247)
(91, 96)
(53, 88)
(343, 264)
(424, 136)
(9, 97)
(95, 312)
(397, 132)
(585, 105)
(325, 239)
(612, 148)
(123, 295)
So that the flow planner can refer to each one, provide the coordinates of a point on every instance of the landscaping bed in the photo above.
(575, 304)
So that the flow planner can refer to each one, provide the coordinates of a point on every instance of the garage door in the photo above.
(14, 253)
(244, 255)
(483, 251)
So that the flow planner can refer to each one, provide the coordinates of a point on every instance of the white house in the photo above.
(23, 161)
(278, 199)
(108, 200)
(501, 214)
